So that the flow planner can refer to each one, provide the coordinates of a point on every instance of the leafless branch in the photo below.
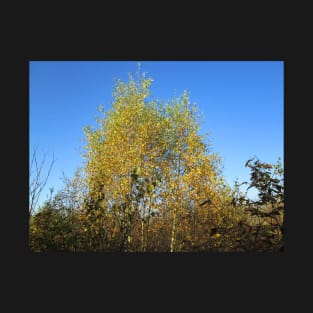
(37, 180)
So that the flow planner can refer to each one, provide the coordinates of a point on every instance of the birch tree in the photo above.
(146, 163)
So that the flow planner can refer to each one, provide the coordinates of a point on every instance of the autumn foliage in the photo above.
(150, 183)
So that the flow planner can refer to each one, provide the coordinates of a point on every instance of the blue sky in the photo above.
(241, 101)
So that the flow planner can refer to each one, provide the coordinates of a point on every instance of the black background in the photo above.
(154, 281)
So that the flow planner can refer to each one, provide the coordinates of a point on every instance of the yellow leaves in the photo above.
(80, 217)
(216, 235)
(137, 170)
(172, 185)
(150, 188)
(152, 139)
(198, 170)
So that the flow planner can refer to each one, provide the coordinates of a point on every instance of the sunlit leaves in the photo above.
(153, 184)
(155, 147)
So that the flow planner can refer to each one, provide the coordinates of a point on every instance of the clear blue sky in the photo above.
(241, 101)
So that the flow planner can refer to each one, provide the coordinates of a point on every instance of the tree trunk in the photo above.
(173, 232)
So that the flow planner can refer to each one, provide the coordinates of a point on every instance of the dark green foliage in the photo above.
(51, 230)
(262, 229)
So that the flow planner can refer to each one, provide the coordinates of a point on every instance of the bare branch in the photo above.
(37, 181)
